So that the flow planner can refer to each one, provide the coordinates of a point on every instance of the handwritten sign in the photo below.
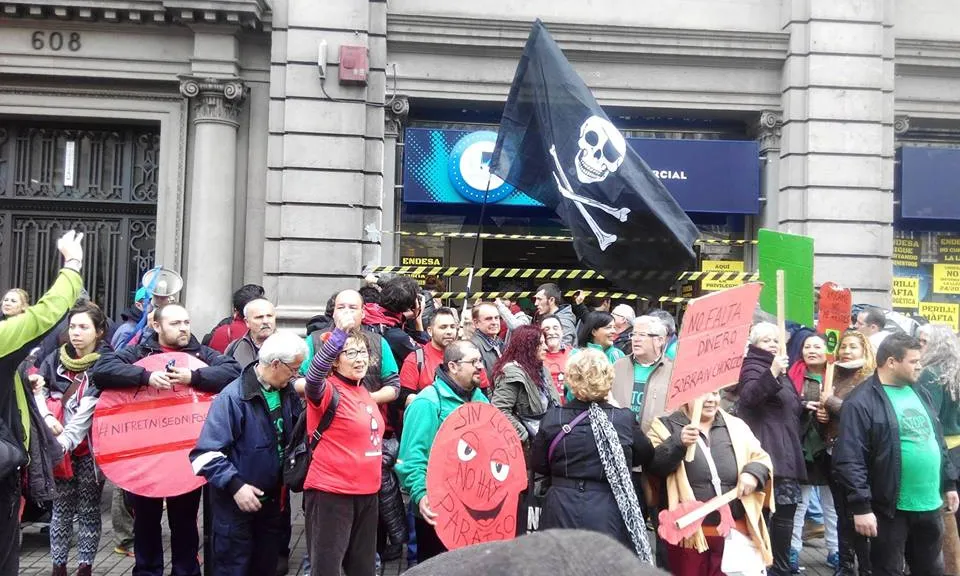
(475, 475)
(142, 435)
(720, 266)
(712, 340)
(906, 293)
(941, 313)
(835, 306)
(946, 278)
(906, 252)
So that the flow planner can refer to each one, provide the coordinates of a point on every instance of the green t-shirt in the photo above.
(272, 396)
(919, 452)
(641, 375)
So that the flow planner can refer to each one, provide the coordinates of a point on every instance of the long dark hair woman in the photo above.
(587, 448)
(599, 333)
(67, 400)
(523, 388)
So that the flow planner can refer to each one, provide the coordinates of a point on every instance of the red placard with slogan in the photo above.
(141, 436)
(475, 475)
(835, 306)
(712, 341)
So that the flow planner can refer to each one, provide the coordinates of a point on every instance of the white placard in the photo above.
(69, 159)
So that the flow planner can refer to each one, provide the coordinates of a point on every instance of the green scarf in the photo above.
(77, 365)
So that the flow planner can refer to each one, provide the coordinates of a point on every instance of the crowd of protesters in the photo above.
(583, 385)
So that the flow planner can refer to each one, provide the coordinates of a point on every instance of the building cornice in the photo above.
(250, 14)
(586, 42)
(922, 56)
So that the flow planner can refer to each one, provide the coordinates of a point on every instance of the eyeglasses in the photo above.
(354, 352)
(293, 368)
(475, 362)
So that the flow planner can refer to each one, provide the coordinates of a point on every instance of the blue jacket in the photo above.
(238, 444)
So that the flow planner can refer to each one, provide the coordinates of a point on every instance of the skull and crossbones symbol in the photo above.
(602, 150)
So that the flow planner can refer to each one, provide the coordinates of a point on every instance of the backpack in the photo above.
(299, 453)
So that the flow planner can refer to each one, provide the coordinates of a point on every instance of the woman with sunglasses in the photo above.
(340, 492)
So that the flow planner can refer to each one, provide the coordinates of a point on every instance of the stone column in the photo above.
(836, 157)
(768, 138)
(395, 118)
(210, 251)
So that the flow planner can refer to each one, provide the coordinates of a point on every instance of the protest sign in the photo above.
(836, 304)
(948, 249)
(794, 255)
(941, 313)
(712, 341)
(475, 475)
(906, 252)
(142, 435)
(906, 293)
(946, 278)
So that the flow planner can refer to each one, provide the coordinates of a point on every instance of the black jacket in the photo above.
(866, 457)
(118, 369)
(772, 408)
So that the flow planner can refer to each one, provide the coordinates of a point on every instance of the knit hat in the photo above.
(548, 553)
(625, 312)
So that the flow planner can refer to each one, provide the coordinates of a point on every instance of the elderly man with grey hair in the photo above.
(240, 451)
(642, 378)
(260, 317)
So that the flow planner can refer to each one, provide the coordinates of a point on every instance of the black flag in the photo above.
(557, 145)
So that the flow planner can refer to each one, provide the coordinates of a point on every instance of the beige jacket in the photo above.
(655, 394)
(747, 449)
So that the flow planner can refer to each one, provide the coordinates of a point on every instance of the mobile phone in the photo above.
(170, 365)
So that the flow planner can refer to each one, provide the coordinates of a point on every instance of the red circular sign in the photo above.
(142, 436)
(475, 475)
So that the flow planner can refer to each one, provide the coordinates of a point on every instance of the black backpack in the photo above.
(299, 454)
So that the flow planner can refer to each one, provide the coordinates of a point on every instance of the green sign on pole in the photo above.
(794, 255)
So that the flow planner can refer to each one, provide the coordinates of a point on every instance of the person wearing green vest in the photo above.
(457, 382)
(891, 459)
(27, 448)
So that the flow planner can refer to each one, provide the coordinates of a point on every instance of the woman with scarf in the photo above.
(727, 456)
(587, 449)
(773, 409)
(941, 378)
(807, 377)
(67, 401)
(855, 363)
(598, 332)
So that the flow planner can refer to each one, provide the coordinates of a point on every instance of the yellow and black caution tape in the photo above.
(540, 238)
(555, 273)
(570, 294)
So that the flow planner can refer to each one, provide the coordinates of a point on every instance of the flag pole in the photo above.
(476, 248)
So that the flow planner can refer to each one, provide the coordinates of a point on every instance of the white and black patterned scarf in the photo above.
(618, 475)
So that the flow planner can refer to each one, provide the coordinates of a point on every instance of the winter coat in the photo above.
(772, 408)
(844, 382)
(624, 343)
(130, 317)
(77, 417)
(421, 421)
(668, 464)
(517, 395)
(579, 495)
(943, 404)
(393, 514)
(654, 395)
(243, 350)
(238, 443)
(866, 459)
(568, 322)
(489, 353)
(118, 369)
(811, 432)
(20, 421)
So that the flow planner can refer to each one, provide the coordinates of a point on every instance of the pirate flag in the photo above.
(557, 145)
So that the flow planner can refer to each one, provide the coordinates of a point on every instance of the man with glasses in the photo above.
(255, 411)
(457, 382)
(642, 379)
(171, 323)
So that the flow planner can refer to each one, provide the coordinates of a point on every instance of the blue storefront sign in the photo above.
(929, 183)
(708, 176)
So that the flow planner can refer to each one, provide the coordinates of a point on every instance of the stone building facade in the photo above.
(260, 171)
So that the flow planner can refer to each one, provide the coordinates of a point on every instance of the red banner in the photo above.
(142, 436)
(836, 304)
(712, 342)
(475, 475)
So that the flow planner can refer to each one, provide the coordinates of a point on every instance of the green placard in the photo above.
(794, 255)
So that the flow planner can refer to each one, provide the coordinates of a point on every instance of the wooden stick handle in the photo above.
(782, 312)
(695, 420)
(709, 507)
(827, 382)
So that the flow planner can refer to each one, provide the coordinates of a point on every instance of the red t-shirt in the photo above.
(555, 363)
(410, 378)
(348, 458)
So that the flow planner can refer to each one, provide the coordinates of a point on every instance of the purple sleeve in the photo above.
(322, 363)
